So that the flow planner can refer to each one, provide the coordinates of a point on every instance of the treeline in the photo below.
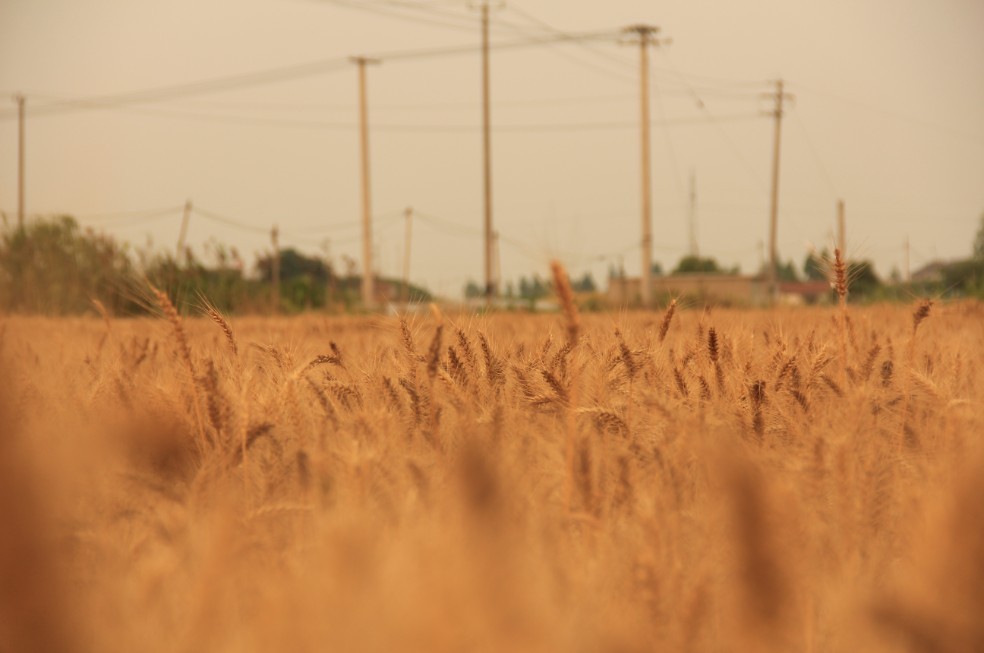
(53, 266)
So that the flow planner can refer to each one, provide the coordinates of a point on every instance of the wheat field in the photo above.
(682, 480)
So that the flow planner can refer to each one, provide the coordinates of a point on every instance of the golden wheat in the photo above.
(627, 486)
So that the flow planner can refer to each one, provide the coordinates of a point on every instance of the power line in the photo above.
(281, 74)
(321, 107)
(671, 151)
(411, 127)
(369, 7)
(816, 156)
(714, 120)
(231, 222)
(953, 133)
(620, 72)
(111, 219)
(190, 89)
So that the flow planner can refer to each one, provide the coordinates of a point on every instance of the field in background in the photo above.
(699, 481)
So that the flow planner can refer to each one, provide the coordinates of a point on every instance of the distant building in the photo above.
(932, 272)
(805, 292)
(727, 289)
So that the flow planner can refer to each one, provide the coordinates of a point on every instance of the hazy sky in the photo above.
(889, 115)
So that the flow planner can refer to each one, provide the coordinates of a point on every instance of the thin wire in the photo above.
(620, 72)
(724, 135)
(368, 7)
(232, 222)
(816, 156)
(131, 222)
(457, 19)
(381, 218)
(190, 89)
(671, 151)
(274, 75)
(114, 215)
(408, 127)
(116, 219)
(419, 106)
(953, 133)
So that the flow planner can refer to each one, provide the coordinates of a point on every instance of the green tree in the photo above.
(294, 265)
(53, 266)
(691, 264)
(473, 290)
(585, 284)
(532, 289)
(861, 278)
(815, 267)
(787, 271)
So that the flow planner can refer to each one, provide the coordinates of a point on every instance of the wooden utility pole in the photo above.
(777, 113)
(406, 254)
(275, 268)
(694, 251)
(645, 35)
(490, 289)
(367, 274)
(19, 99)
(841, 230)
(184, 229)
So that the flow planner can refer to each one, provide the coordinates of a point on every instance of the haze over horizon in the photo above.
(887, 115)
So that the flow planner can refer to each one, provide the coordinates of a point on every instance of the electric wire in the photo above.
(620, 73)
(408, 127)
(670, 149)
(228, 221)
(943, 129)
(816, 155)
(702, 105)
(280, 74)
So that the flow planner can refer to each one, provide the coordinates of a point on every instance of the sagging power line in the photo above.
(284, 73)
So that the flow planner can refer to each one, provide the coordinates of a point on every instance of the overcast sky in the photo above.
(888, 115)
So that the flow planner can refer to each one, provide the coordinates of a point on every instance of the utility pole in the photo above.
(694, 251)
(275, 268)
(645, 35)
(367, 275)
(19, 99)
(490, 289)
(184, 229)
(406, 255)
(841, 230)
(777, 113)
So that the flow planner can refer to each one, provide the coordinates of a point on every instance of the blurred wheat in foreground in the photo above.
(801, 480)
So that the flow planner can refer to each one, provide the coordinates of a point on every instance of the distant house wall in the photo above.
(737, 290)
(716, 288)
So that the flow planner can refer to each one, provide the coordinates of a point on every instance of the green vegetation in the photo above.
(53, 266)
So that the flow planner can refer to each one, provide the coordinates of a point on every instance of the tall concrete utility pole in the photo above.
(694, 250)
(406, 254)
(367, 274)
(490, 289)
(275, 268)
(19, 99)
(777, 113)
(645, 35)
(184, 229)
